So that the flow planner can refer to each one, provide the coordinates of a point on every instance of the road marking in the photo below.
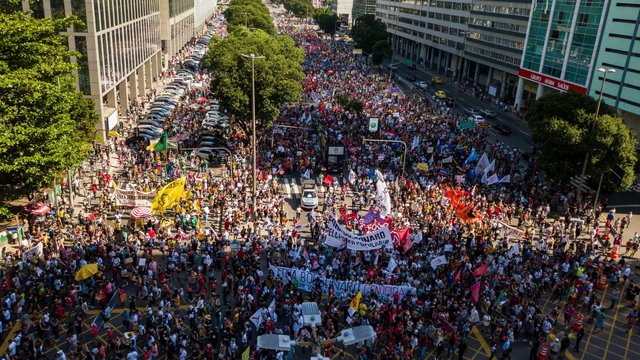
(295, 190)
(483, 343)
(588, 340)
(287, 187)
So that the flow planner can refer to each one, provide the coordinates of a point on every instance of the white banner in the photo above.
(383, 199)
(438, 261)
(307, 281)
(338, 236)
(34, 252)
(133, 198)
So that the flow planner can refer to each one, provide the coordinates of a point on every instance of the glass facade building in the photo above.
(363, 7)
(561, 44)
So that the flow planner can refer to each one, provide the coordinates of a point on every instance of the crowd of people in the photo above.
(188, 285)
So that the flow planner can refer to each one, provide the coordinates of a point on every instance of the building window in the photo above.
(57, 9)
(79, 9)
(37, 9)
(84, 80)
(583, 20)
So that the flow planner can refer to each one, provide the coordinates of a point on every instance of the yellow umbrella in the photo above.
(86, 272)
(114, 134)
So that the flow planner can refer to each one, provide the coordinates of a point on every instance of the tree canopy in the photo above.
(250, 14)
(278, 76)
(45, 124)
(299, 8)
(370, 34)
(561, 123)
(327, 20)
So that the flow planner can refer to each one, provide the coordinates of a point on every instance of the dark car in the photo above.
(412, 66)
(503, 129)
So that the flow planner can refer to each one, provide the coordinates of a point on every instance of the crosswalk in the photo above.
(292, 188)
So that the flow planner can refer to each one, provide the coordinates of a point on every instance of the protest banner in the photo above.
(34, 252)
(338, 236)
(307, 281)
(133, 198)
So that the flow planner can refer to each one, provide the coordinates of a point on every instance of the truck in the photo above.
(335, 156)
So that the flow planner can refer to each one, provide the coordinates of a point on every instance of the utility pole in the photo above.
(605, 72)
(253, 58)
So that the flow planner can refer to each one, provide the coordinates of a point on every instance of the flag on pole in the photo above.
(475, 292)
(480, 270)
(493, 179)
(473, 156)
(438, 261)
(272, 310)
(352, 177)
(159, 144)
(169, 196)
(355, 303)
(458, 276)
(256, 318)
(483, 163)
(383, 199)
(505, 179)
(392, 265)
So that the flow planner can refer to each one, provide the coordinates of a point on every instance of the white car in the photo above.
(422, 84)
(477, 118)
(309, 199)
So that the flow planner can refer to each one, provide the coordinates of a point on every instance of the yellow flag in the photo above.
(355, 303)
(152, 144)
(245, 354)
(169, 196)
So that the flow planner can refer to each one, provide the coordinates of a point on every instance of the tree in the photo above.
(299, 8)
(561, 123)
(278, 76)
(249, 13)
(327, 20)
(381, 50)
(45, 124)
(367, 32)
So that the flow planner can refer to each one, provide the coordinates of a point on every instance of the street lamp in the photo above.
(404, 157)
(604, 72)
(253, 58)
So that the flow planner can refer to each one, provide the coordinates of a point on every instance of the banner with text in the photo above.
(338, 236)
(133, 198)
(307, 281)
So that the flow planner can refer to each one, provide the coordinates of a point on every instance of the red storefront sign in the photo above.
(551, 81)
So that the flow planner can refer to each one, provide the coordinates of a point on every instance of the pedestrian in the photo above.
(579, 336)
(462, 347)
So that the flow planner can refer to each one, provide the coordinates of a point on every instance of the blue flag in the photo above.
(473, 156)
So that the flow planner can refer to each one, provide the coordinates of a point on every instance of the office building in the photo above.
(430, 32)
(120, 50)
(344, 8)
(176, 25)
(560, 47)
(619, 50)
(494, 45)
(363, 7)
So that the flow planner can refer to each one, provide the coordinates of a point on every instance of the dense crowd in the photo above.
(186, 286)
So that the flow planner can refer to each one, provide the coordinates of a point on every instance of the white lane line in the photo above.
(287, 187)
(295, 190)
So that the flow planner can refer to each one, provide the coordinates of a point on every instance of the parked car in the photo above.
(503, 129)
(488, 113)
(440, 94)
(471, 111)
(309, 199)
(209, 153)
(421, 84)
(477, 118)
(436, 80)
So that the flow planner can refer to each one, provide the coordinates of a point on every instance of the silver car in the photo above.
(309, 198)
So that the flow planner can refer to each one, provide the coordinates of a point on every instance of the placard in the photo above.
(338, 236)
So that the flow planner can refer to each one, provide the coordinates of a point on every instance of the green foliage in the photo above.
(299, 8)
(45, 125)
(250, 14)
(381, 50)
(5, 214)
(349, 103)
(561, 123)
(368, 31)
(327, 20)
(278, 76)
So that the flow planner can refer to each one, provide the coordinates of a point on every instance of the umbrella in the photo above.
(114, 134)
(37, 209)
(86, 272)
(141, 213)
(202, 99)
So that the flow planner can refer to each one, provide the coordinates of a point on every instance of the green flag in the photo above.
(161, 145)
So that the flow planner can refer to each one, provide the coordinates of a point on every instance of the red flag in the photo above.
(328, 180)
(475, 292)
(480, 270)
(407, 245)
(458, 276)
(400, 236)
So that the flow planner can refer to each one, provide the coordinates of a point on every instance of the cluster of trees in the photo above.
(46, 126)
(562, 123)
(278, 76)
(370, 34)
(249, 14)
(299, 8)
(327, 20)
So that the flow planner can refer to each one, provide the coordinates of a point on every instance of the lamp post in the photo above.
(404, 157)
(604, 72)
(253, 58)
